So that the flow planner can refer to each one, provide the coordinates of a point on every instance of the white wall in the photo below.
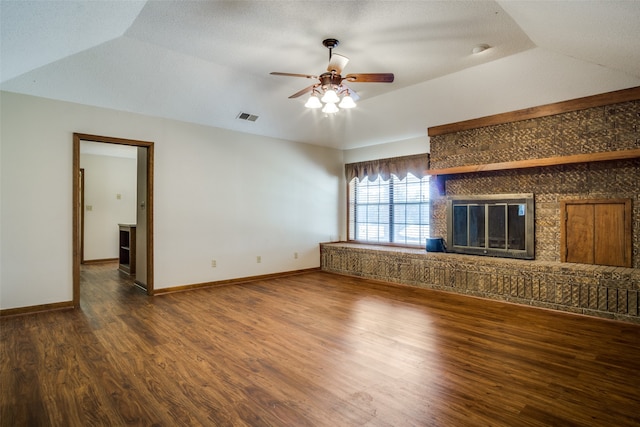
(404, 147)
(106, 177)
(218, 194)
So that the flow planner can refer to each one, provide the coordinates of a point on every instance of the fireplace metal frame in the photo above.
(526, 199)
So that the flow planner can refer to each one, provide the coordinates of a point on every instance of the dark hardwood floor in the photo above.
(312, 350)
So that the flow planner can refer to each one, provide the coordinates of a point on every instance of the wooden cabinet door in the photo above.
(579, 233)
(596, 232)
(609, 244)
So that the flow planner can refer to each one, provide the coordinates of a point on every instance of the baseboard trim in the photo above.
(100, 261)
(228, 282)
(65, 305)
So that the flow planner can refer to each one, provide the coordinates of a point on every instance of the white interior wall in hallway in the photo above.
(110, 199)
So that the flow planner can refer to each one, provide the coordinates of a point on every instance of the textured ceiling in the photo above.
(206, 61)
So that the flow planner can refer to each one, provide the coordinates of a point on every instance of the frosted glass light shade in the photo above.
(330, 108)
(347, 102)
(330, 97)
(313, 102)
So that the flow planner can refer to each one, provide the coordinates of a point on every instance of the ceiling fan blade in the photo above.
(308, 76)
(370, 78)
(337, 63)
(303, 91)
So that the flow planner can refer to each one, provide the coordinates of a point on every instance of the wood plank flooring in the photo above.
(312, 350)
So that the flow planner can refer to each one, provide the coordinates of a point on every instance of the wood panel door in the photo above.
(580, 241)
(596, 232)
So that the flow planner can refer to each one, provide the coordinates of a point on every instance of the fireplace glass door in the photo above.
(497, 225)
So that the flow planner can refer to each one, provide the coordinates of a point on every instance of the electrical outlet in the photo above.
(89, 208)
(258, 259)
(213, 263)
(295, 255)
(118, 196)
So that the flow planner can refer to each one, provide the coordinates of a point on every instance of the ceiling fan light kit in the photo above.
(330, 108)
(347, 102)
(313, 102)
(330, 97)
(330, 89)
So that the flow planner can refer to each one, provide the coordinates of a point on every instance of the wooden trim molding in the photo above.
(100, 261)
(65, 305)
(77, 137)
(111, 140)
(233, 281)
(624, 95)
(532, 163)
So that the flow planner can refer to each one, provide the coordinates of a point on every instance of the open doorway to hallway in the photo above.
(108, 198)
(136, 205)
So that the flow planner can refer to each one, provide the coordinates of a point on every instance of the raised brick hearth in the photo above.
(602, 291)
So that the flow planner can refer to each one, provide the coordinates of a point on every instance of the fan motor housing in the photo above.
(330, 79)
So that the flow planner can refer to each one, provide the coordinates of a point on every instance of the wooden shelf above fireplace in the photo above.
(533, 163)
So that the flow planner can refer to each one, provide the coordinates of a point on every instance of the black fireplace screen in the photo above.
(496, 225)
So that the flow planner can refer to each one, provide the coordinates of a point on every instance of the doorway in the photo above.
(144, 207)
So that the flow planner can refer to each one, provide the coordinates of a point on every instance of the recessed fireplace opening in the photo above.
(500, 225)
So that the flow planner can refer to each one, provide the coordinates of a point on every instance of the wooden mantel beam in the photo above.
(532, 163)
(624, 95)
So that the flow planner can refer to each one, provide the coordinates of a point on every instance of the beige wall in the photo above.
(106, 178)
(218, 194)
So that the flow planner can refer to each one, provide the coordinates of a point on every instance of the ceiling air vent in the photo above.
(247, 116)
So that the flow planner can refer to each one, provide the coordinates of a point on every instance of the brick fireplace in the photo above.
(582, 149)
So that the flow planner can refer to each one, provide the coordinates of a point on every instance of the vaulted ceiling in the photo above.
(205, 62)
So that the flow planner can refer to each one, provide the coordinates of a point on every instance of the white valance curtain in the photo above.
(399, 166)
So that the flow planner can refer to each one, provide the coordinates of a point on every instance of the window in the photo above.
(391, 211)
(496, 225)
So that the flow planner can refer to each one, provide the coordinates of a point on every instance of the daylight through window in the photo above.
(392, 211)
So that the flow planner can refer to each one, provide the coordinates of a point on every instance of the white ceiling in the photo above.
(206, 61)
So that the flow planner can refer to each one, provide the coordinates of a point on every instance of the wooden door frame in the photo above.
(77, 246)
(81, 211)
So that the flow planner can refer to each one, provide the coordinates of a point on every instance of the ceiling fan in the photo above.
(331, 84)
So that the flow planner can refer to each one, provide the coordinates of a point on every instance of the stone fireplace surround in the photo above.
(607, 123)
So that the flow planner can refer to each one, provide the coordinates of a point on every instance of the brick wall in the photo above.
(604, 291)
(550, 185)
(608, 128)
(599, 129)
